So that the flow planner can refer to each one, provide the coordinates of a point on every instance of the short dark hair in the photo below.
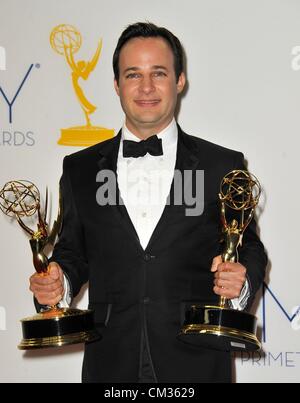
(149, 30)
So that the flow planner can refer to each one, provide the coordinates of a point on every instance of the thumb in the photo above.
(215, 263)
(54, 271)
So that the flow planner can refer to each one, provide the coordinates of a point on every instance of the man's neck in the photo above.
(145, 132)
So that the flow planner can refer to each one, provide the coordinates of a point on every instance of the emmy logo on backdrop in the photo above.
(54, 326)
(217, 326)
(66, 41)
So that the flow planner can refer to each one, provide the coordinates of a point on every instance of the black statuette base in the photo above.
(56, 328)
(220, 329)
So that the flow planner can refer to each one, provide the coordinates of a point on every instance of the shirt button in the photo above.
(146, 300)
(144, 214)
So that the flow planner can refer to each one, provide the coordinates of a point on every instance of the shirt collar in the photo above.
(168, 135)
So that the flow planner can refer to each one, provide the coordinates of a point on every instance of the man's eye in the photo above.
(159, 74)
(133, 75)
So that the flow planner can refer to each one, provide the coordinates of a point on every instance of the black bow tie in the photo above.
(153, 146)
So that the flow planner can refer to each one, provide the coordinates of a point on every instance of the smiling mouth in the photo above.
(147, 103)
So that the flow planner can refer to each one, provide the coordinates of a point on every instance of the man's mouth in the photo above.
(147, 102)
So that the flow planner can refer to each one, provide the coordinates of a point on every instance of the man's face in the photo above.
(147, 85)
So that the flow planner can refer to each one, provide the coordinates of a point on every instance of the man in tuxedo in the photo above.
(145, 254)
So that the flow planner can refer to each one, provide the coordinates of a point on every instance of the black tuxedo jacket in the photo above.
(138, 292)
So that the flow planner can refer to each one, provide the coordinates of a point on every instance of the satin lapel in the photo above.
(108, 161)
(185, 160)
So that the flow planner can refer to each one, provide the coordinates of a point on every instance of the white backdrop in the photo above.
(244, 93)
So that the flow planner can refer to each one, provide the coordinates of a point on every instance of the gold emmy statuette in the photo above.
(66, 41)
(217, 326)
(54, 326)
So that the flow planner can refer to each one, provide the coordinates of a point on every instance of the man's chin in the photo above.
(150, 119)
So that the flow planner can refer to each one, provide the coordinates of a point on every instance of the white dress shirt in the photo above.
(145, 182)
(144, 185)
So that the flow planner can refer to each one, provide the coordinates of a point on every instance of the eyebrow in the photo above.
(155, 67)
(158, 67)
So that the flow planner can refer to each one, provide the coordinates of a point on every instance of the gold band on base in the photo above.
(221, 331)
(58, 341)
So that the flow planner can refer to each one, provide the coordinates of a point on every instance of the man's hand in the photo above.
(229, 278)
(48, 288)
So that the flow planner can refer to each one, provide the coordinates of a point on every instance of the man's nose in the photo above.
(147, 85)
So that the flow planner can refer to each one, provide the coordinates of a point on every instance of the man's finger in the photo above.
(231, 267)
(35, 288)
(225, 292)
(230, 276)
(45, 299)
(215, 263)
(41, 280)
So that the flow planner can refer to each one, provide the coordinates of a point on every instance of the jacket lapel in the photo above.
(185, 160)
(108, 161)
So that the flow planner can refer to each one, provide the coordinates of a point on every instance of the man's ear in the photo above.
(116, 87)
(181, 83)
